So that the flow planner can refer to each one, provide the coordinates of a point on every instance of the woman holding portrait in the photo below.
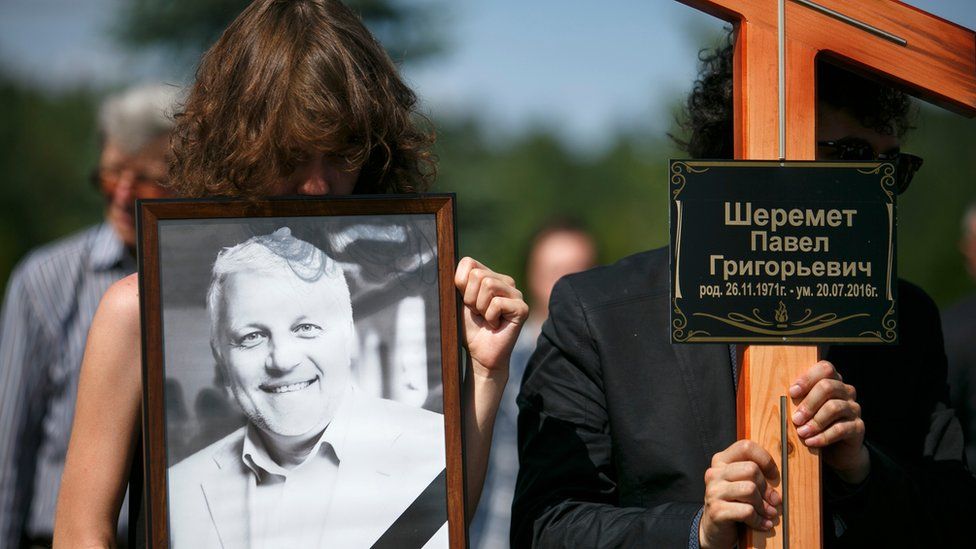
(295, 98)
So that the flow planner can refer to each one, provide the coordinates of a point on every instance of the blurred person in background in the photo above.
(49, 305)
(559, 247)
(959, 326)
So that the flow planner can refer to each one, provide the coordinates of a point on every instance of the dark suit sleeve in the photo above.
(919, 492)
(929, 504)
(566, 494)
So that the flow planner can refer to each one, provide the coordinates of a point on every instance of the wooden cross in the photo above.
(927, 56)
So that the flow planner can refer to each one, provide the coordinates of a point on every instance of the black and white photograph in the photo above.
(303, 389)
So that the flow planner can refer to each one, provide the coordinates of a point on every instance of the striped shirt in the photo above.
(49, 304)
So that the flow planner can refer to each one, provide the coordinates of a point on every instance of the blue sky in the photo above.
(584, 68)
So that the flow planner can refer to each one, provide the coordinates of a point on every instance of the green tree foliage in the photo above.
(47, 151)
(47, 138)
(506, 188)
(505, 191)
(185, 28)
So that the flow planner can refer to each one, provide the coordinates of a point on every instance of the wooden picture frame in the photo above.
(241, 365)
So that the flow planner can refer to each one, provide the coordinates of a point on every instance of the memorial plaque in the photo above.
(783, 252)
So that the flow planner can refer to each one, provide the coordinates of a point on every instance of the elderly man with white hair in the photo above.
(49, 304)
(319, 462)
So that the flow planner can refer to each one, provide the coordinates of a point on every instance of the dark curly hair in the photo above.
(289, 80)
(707, 116)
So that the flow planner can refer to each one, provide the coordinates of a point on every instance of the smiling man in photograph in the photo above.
(319, 463)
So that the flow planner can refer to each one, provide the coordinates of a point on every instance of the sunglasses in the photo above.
(143, 186)
(857, 149)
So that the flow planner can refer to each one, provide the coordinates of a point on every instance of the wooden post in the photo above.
(925, 55)
(767, 371)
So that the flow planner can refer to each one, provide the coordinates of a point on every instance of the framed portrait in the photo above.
(301, 373)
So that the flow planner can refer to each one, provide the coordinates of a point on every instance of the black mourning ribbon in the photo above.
(419, 522)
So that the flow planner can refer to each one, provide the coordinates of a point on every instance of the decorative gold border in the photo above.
(768, 163)
(757, 325)
(678, 180)
(677, 251)
(889, 324)
(809, 323)
(887, 178)
(678, 324)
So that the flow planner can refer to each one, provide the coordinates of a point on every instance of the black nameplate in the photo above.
(793, 252)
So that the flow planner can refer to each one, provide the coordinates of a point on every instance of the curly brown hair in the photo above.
(708, 113)
(287, 81)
